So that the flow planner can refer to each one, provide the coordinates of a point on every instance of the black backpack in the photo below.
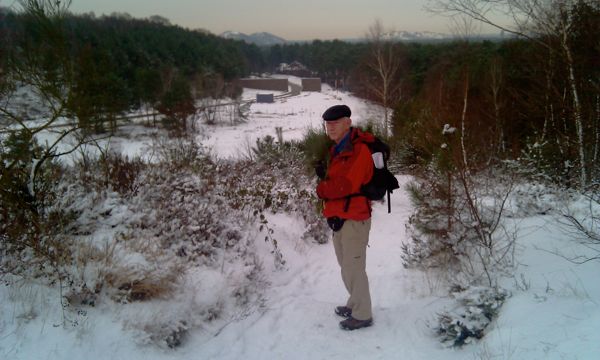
(383, 181)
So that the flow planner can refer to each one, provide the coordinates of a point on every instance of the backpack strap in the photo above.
(347, 204)
(349, 197)
(389, 200)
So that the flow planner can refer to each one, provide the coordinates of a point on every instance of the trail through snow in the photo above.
(297, 321)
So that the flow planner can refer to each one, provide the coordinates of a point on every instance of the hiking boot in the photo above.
(353, 324)
(343, 311)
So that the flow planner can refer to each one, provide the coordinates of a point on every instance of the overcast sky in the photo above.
(292, 20)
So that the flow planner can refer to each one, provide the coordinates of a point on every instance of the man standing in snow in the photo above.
(348, 213)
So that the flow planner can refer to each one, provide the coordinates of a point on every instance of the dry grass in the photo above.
(140, 285)
(103, 269)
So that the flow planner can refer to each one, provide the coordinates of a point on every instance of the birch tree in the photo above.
(385, 63)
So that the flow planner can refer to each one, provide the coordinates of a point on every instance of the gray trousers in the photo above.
(350, 244)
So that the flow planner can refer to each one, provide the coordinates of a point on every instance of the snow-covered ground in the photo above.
(553, 313)
(295, 115)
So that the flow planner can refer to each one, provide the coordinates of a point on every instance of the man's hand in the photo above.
(320, 170)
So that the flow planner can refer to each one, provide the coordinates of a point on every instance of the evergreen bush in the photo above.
(477, 307)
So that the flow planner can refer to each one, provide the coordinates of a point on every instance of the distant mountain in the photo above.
(428, 36)
(260, 39)
(415, 36)
(425, 36)
(268, 39)
(408, 36)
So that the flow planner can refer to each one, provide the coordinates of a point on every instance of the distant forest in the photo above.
(537, 93)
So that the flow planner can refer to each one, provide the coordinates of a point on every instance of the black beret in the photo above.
(335, 112)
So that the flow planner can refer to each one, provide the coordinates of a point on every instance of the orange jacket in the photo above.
(347, 171)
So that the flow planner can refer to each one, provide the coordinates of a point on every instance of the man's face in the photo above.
(336, 129)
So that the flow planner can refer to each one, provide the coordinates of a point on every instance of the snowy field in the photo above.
(553, 313)
(295, 115)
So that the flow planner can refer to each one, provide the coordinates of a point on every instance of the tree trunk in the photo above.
(463, 118)
(496, 85)
(596, 133)
(385, 108)
(577, 110)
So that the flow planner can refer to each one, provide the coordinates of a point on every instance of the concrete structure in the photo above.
(311, 84)
(265, 84)
(264, 98)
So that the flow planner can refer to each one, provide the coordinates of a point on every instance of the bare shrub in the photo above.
(180, 207)
(177, 153)
(121, 172)
(583, 224)
(110, 170)
(210, 111)
(276, 180)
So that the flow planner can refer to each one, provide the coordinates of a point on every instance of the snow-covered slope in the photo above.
(553, 313)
